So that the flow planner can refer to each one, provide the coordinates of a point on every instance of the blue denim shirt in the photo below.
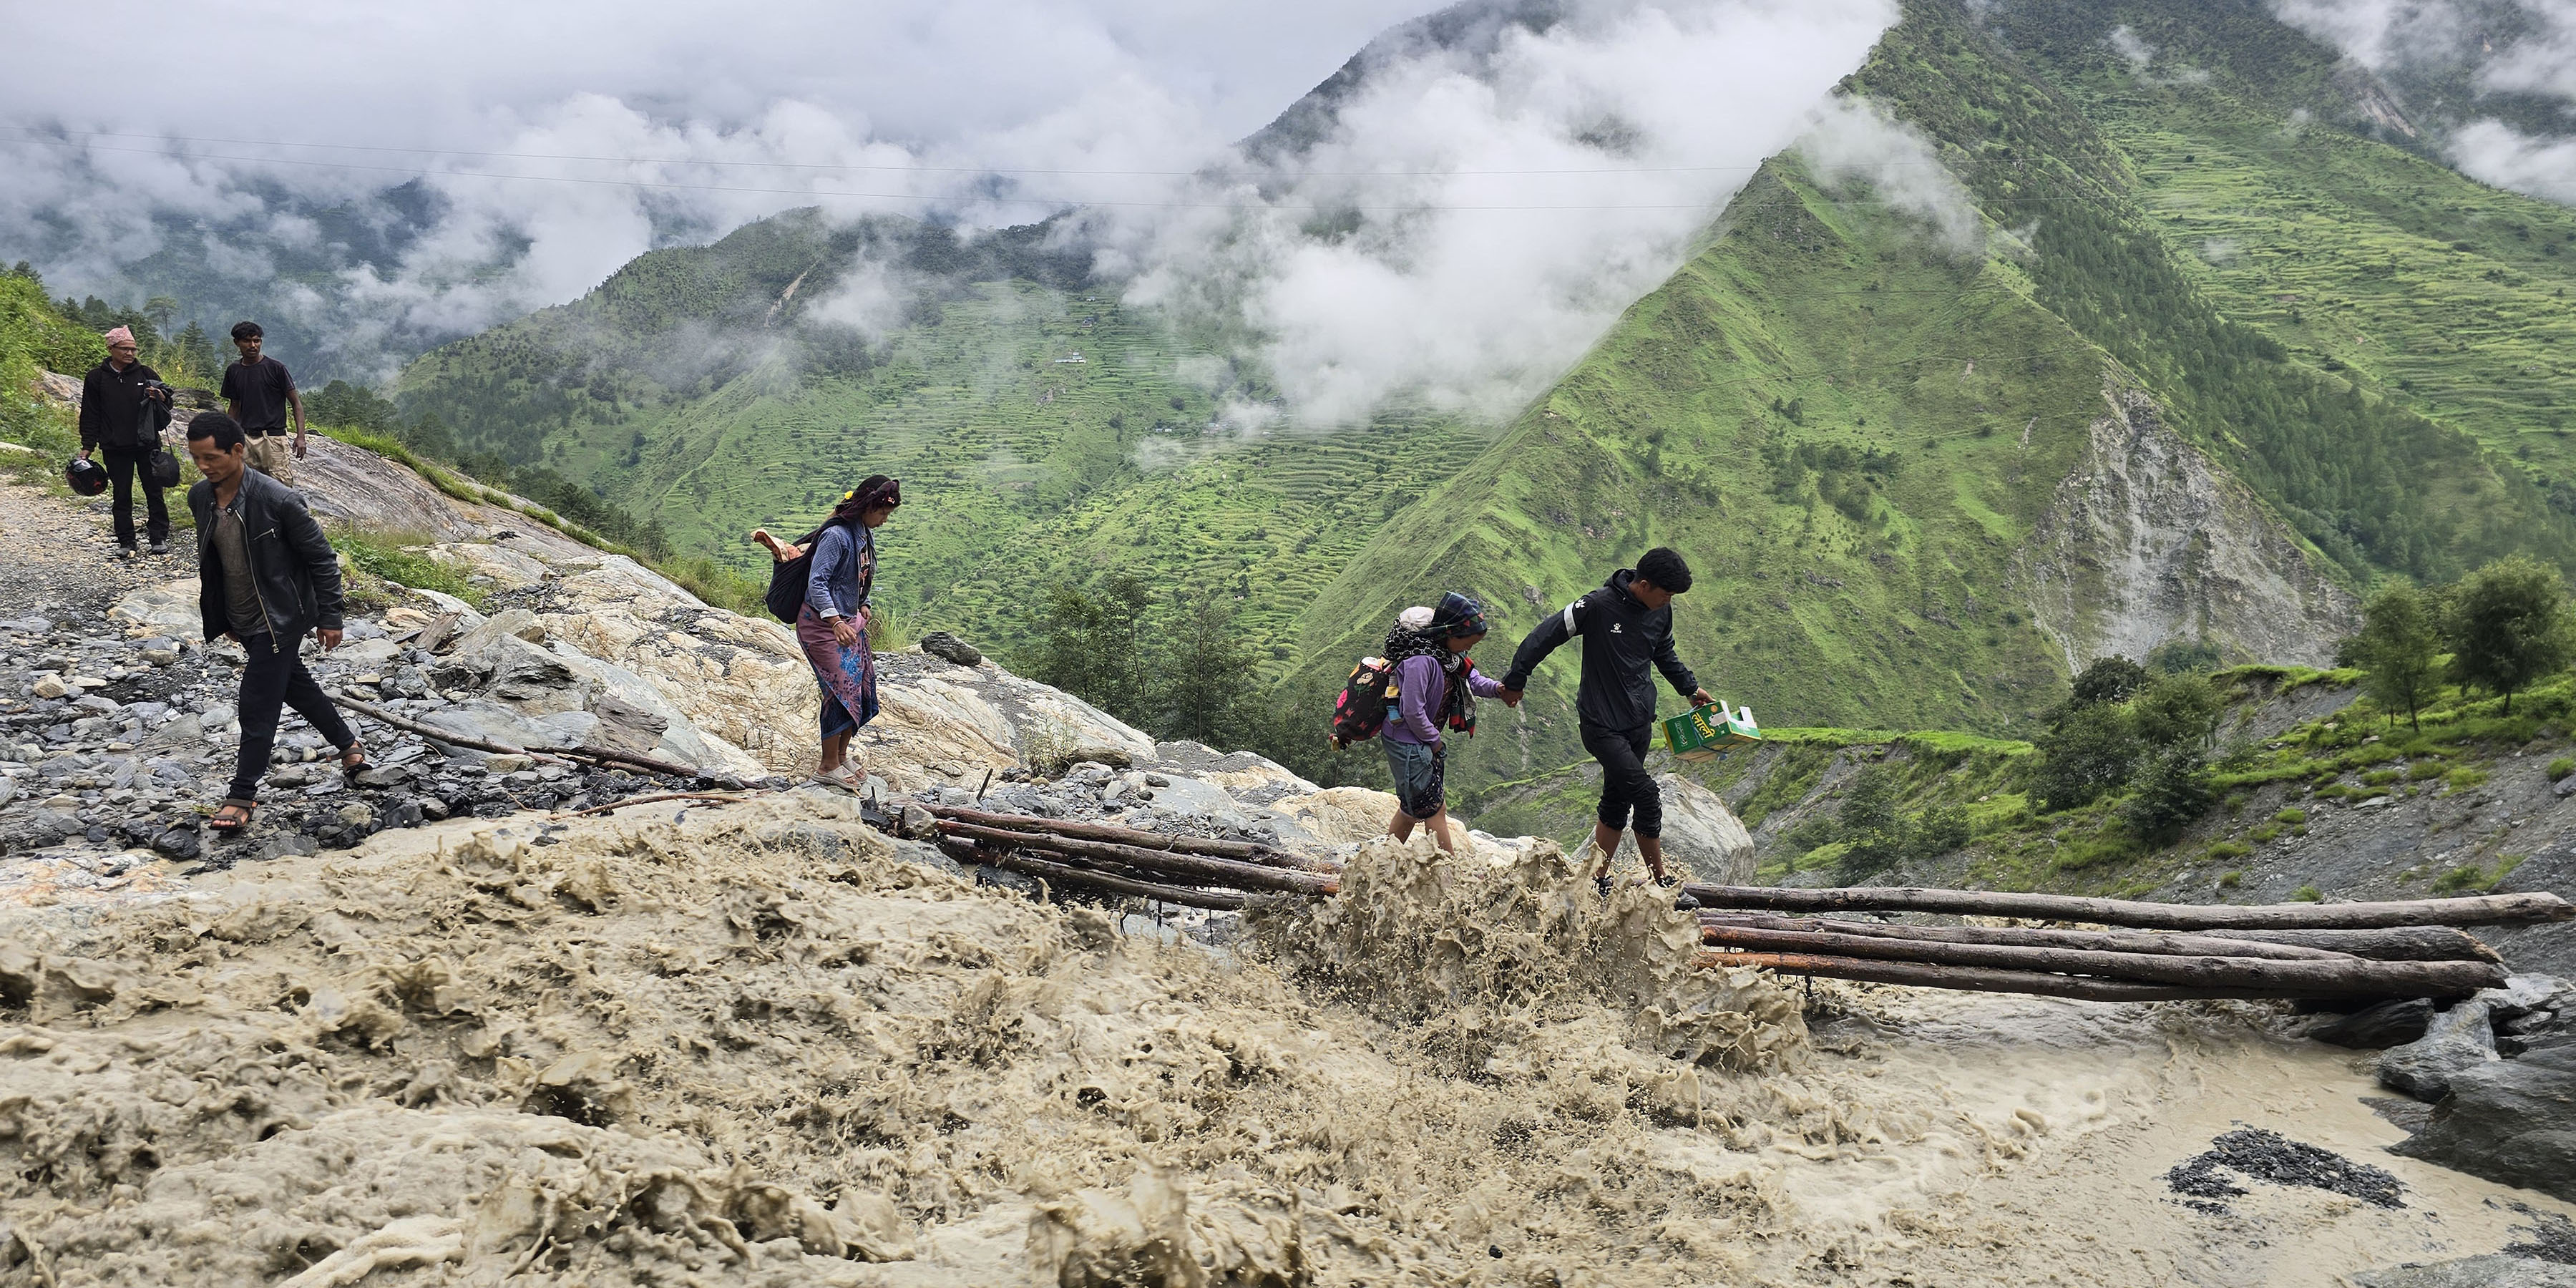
(844, 565)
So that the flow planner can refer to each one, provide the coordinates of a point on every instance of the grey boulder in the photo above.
(2459, 1039)
(941, 644)
(2495, 1270)
(2512, 1121)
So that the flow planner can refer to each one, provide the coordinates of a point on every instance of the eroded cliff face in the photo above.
(2148, 542)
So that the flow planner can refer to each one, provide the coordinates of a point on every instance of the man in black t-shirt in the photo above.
(260, 395)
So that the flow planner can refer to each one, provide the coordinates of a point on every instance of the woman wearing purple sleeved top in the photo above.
(1435, 684)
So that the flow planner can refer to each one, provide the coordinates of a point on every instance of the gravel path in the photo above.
(58, 557)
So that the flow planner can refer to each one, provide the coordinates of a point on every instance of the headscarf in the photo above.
(121, 335)
(1424, 632)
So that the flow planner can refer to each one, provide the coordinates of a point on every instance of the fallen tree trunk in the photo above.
(1972, 979)
(1248, 851)
(552, 755)
(1205, 869)
(2114, 941)
(389, 719)
(1085, 878)
(2394, 944)
(2345, 977)
(2472, 910)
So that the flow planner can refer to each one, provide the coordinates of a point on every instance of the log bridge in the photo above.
(2333, 952)
(1193, 872)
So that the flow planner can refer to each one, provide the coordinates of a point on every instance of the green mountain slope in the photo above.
(1962, 396)
(2180, 395)
(1046, 433)
(2260, 163)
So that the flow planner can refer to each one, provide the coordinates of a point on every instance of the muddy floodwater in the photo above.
(750, 1045)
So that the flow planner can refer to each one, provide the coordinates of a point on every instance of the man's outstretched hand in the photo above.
(1510, 697)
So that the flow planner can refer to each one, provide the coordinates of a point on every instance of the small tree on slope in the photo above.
(2508, 626)
(2397, 646)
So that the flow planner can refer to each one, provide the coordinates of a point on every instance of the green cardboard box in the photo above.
(1709, 730)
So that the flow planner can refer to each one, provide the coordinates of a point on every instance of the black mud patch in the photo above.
(2266, 1156)
(2553, 1238)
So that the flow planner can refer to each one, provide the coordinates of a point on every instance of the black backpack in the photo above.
(786, 596)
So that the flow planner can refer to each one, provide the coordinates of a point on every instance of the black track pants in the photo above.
(1625, 784)
(275, 677)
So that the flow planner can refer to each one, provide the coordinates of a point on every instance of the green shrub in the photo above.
(2464, 778)
(2230, 850)
(2292, 816)
(2231, 878)
(2562, 767)
(2381, 777)
(2427, 767)
(2472, 879)
(2265, 834)
(2172, 794)
(380, 557)
(2308, 894)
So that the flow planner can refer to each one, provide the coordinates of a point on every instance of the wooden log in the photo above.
(1971, 979)
(1247, 851)
(1200, 868)
(2393, 943)
(1085, 878)
(390, 720)
(2347, 977)
(2491, 909)
(552, 755)
(2113, 941)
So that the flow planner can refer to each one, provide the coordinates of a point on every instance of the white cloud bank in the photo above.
(1489, 212)
(2537, 55)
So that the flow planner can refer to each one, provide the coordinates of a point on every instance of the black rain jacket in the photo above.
(297, 571)
(1620, 637)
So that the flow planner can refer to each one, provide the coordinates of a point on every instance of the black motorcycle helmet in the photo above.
(85, 476)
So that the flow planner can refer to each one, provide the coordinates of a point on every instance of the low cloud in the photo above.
(1852, 141)
(2525, 47)
(1458, 231)
(1473, 219)
(2499, 154)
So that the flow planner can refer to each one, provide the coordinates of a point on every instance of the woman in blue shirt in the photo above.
(832, 627)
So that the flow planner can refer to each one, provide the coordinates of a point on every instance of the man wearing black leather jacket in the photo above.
(1627, 626)
(123, 414)
(266, 575)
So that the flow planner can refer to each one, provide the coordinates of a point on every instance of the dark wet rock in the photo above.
(2495, 1270)
(2512, 1121)
(2373, 1028)
(278, 845)
(178, 843)
(941, 644)
(2458, 1040)
(2270, 1157)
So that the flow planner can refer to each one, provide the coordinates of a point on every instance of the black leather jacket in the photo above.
(297, 571)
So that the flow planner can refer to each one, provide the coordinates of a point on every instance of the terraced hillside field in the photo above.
(2314, 212)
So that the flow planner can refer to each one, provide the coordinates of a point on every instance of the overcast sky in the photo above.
(452, 74)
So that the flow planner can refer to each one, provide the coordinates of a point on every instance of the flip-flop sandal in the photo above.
(840, 778)
(232, 826)
(361, 765)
